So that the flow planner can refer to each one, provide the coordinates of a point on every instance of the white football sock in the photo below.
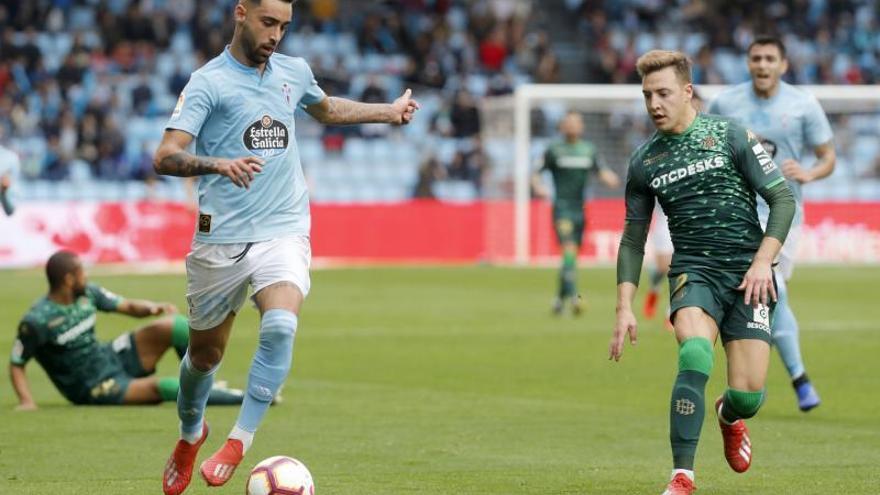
(246, 437)
(687, 472)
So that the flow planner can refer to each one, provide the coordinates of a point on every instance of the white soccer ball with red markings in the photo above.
(280, 475)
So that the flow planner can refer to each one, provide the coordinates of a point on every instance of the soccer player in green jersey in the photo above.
(571, 161)
(59, 331)
(704, 171)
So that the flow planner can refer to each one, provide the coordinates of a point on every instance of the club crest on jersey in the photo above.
(709, 142)
(285, 89)
(266, 137)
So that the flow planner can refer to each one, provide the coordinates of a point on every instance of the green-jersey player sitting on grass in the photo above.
(59, 332)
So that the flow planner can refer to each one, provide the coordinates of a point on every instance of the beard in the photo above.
(79, 291)
(251, 46)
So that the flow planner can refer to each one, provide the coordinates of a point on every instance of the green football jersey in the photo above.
(62, 339)
(705, 179)
(570, 165)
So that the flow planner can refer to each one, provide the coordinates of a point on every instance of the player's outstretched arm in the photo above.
(630, 256)
(140, 308)
(625, 321)
(22, 389)
(826, 158)
(340, 111)
(608, 178)
(172, 159)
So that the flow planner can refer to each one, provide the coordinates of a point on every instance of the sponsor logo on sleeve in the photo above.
(204, 223)
(17, 350)
(767, 164)
(177, 108)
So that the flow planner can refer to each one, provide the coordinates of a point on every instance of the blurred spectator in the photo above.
(431, 171)
(75, 73)
(470, 163)
(374, 92)
(142, 95)
(493, 50)
(464, 116)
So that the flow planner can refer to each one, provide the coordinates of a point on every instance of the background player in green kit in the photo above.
(570, 161)
(59, 331)
(704, 171)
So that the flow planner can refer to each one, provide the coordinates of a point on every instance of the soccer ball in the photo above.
(280, 475)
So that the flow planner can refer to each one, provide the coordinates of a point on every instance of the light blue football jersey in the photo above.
(788, 124)
(233, 111)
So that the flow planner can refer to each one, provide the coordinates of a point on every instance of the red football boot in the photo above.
(737, 446)
(178, 469)
(680, 485)
(218, 469)
(650, 308)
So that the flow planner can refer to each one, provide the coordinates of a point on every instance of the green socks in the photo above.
(168, 387)
(740, 404)
(218, 396)
(688, 403)
(180, 335)
(568, 275)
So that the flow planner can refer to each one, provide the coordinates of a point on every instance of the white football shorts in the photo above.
(660, 237)
(218, 275)
(788, 253)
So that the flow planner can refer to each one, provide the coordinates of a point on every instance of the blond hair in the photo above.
(660, 59)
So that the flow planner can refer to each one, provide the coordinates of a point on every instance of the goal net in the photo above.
(516, 130)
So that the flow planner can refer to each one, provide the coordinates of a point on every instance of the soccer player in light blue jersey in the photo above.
(253, 222)
(788, 121)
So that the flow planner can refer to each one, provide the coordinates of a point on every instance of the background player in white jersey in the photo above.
(788, 121)
(253, 226)
(9, 169)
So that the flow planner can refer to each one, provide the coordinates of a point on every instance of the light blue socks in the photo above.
(269, 369)
(785, 332)
(195, 386)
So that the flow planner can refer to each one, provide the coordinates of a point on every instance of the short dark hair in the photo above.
(768, 39)
(60, 264)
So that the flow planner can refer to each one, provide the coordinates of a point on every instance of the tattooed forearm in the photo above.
(343, 111)
(182, 164)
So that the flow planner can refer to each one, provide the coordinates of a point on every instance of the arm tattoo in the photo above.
(182, 164)
(343, 111)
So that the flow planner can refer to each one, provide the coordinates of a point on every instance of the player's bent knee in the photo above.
(744, 403)
(205, 359)
(695, 354)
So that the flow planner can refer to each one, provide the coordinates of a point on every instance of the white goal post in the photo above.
(611, 98)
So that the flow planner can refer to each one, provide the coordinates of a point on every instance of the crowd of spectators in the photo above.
(828, 41)
(81, 80)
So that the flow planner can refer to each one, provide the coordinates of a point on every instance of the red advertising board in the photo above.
(408, 232)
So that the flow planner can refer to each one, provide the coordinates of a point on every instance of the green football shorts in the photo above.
(125, 365)
(569, 228)
(715, 292)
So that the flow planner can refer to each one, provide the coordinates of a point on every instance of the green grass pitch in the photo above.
(458, 381)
